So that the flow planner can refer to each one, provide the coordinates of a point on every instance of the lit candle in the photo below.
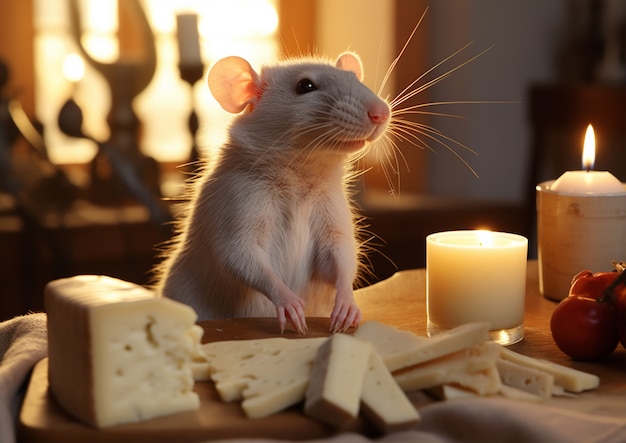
(588, 181)
(476, 276)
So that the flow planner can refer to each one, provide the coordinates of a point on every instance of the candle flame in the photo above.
(589, 149)
(485, 238)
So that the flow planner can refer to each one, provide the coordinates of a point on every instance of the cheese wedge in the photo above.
(570, 379)
(461, 367)
(268, 375)
(117, 353)
(334, 392)
(383, 402)
(401, 349)
(524, 378)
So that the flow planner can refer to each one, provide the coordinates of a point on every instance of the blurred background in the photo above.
(104, 109)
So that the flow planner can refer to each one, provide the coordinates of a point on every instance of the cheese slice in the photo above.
(531, 380)
(461, 367)
(334, 391)
(519, 394)
(570, 379)
(117, 353)
(268, 375)
(401, 349)
(451, 392)
(383, 401)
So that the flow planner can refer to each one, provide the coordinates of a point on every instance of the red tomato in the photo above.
(584, 328)
(588, 284)
(592, 285)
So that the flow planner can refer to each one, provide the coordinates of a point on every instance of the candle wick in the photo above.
(588, 168)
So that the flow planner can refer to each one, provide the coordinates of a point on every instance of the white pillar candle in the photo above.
(476, 276)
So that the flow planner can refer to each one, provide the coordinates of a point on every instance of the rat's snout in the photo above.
(378, 112)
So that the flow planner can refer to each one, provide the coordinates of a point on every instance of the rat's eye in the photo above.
(304, 86)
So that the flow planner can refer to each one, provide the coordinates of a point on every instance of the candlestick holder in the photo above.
(191, 73)
(577, 232)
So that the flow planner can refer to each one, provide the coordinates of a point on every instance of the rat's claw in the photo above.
(294, 313)
(344, 317)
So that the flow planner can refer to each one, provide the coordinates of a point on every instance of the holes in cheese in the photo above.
(268, 375)
(117, 353)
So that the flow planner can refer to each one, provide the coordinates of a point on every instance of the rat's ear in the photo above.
(234, 84)
(350, 61)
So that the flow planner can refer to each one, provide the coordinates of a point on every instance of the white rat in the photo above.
(269, 229)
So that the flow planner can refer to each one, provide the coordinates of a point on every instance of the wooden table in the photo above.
(401, 301)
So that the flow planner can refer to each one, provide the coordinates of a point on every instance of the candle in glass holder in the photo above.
(476, 276)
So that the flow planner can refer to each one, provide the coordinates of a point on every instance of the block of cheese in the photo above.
(117, 353)
(401, 349)
(268, 375)
(383, 402)
(334, 392)
(570, 379)
(461, 367)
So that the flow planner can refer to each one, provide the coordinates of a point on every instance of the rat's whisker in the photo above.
(400, 96)
(413, 130)
(431, 113)
(403, 96)
(399, 56)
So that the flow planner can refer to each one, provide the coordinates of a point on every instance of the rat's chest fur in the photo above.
(290, 214)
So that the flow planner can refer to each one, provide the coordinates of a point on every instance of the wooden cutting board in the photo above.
(43, 420)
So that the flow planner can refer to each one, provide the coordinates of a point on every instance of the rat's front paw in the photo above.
(293, 313)
(346, 314)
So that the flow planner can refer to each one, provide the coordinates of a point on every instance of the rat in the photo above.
(270, 228)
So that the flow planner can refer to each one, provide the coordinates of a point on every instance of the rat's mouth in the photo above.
(378, 131)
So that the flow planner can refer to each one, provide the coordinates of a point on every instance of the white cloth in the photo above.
(23, 342)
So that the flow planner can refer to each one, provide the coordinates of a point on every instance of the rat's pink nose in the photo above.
(378, 112)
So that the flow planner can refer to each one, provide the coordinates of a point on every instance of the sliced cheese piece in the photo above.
(269, 375)
(461, 367)
(391, 343)
(117, 353)
(570, 379)
(401, 349)
(382, 400)
(334, 392)
(531, 380)
(519, 394)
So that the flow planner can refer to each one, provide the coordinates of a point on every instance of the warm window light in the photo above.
(73, 68)
(589, 149)
(235, 27)
(260, 19)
